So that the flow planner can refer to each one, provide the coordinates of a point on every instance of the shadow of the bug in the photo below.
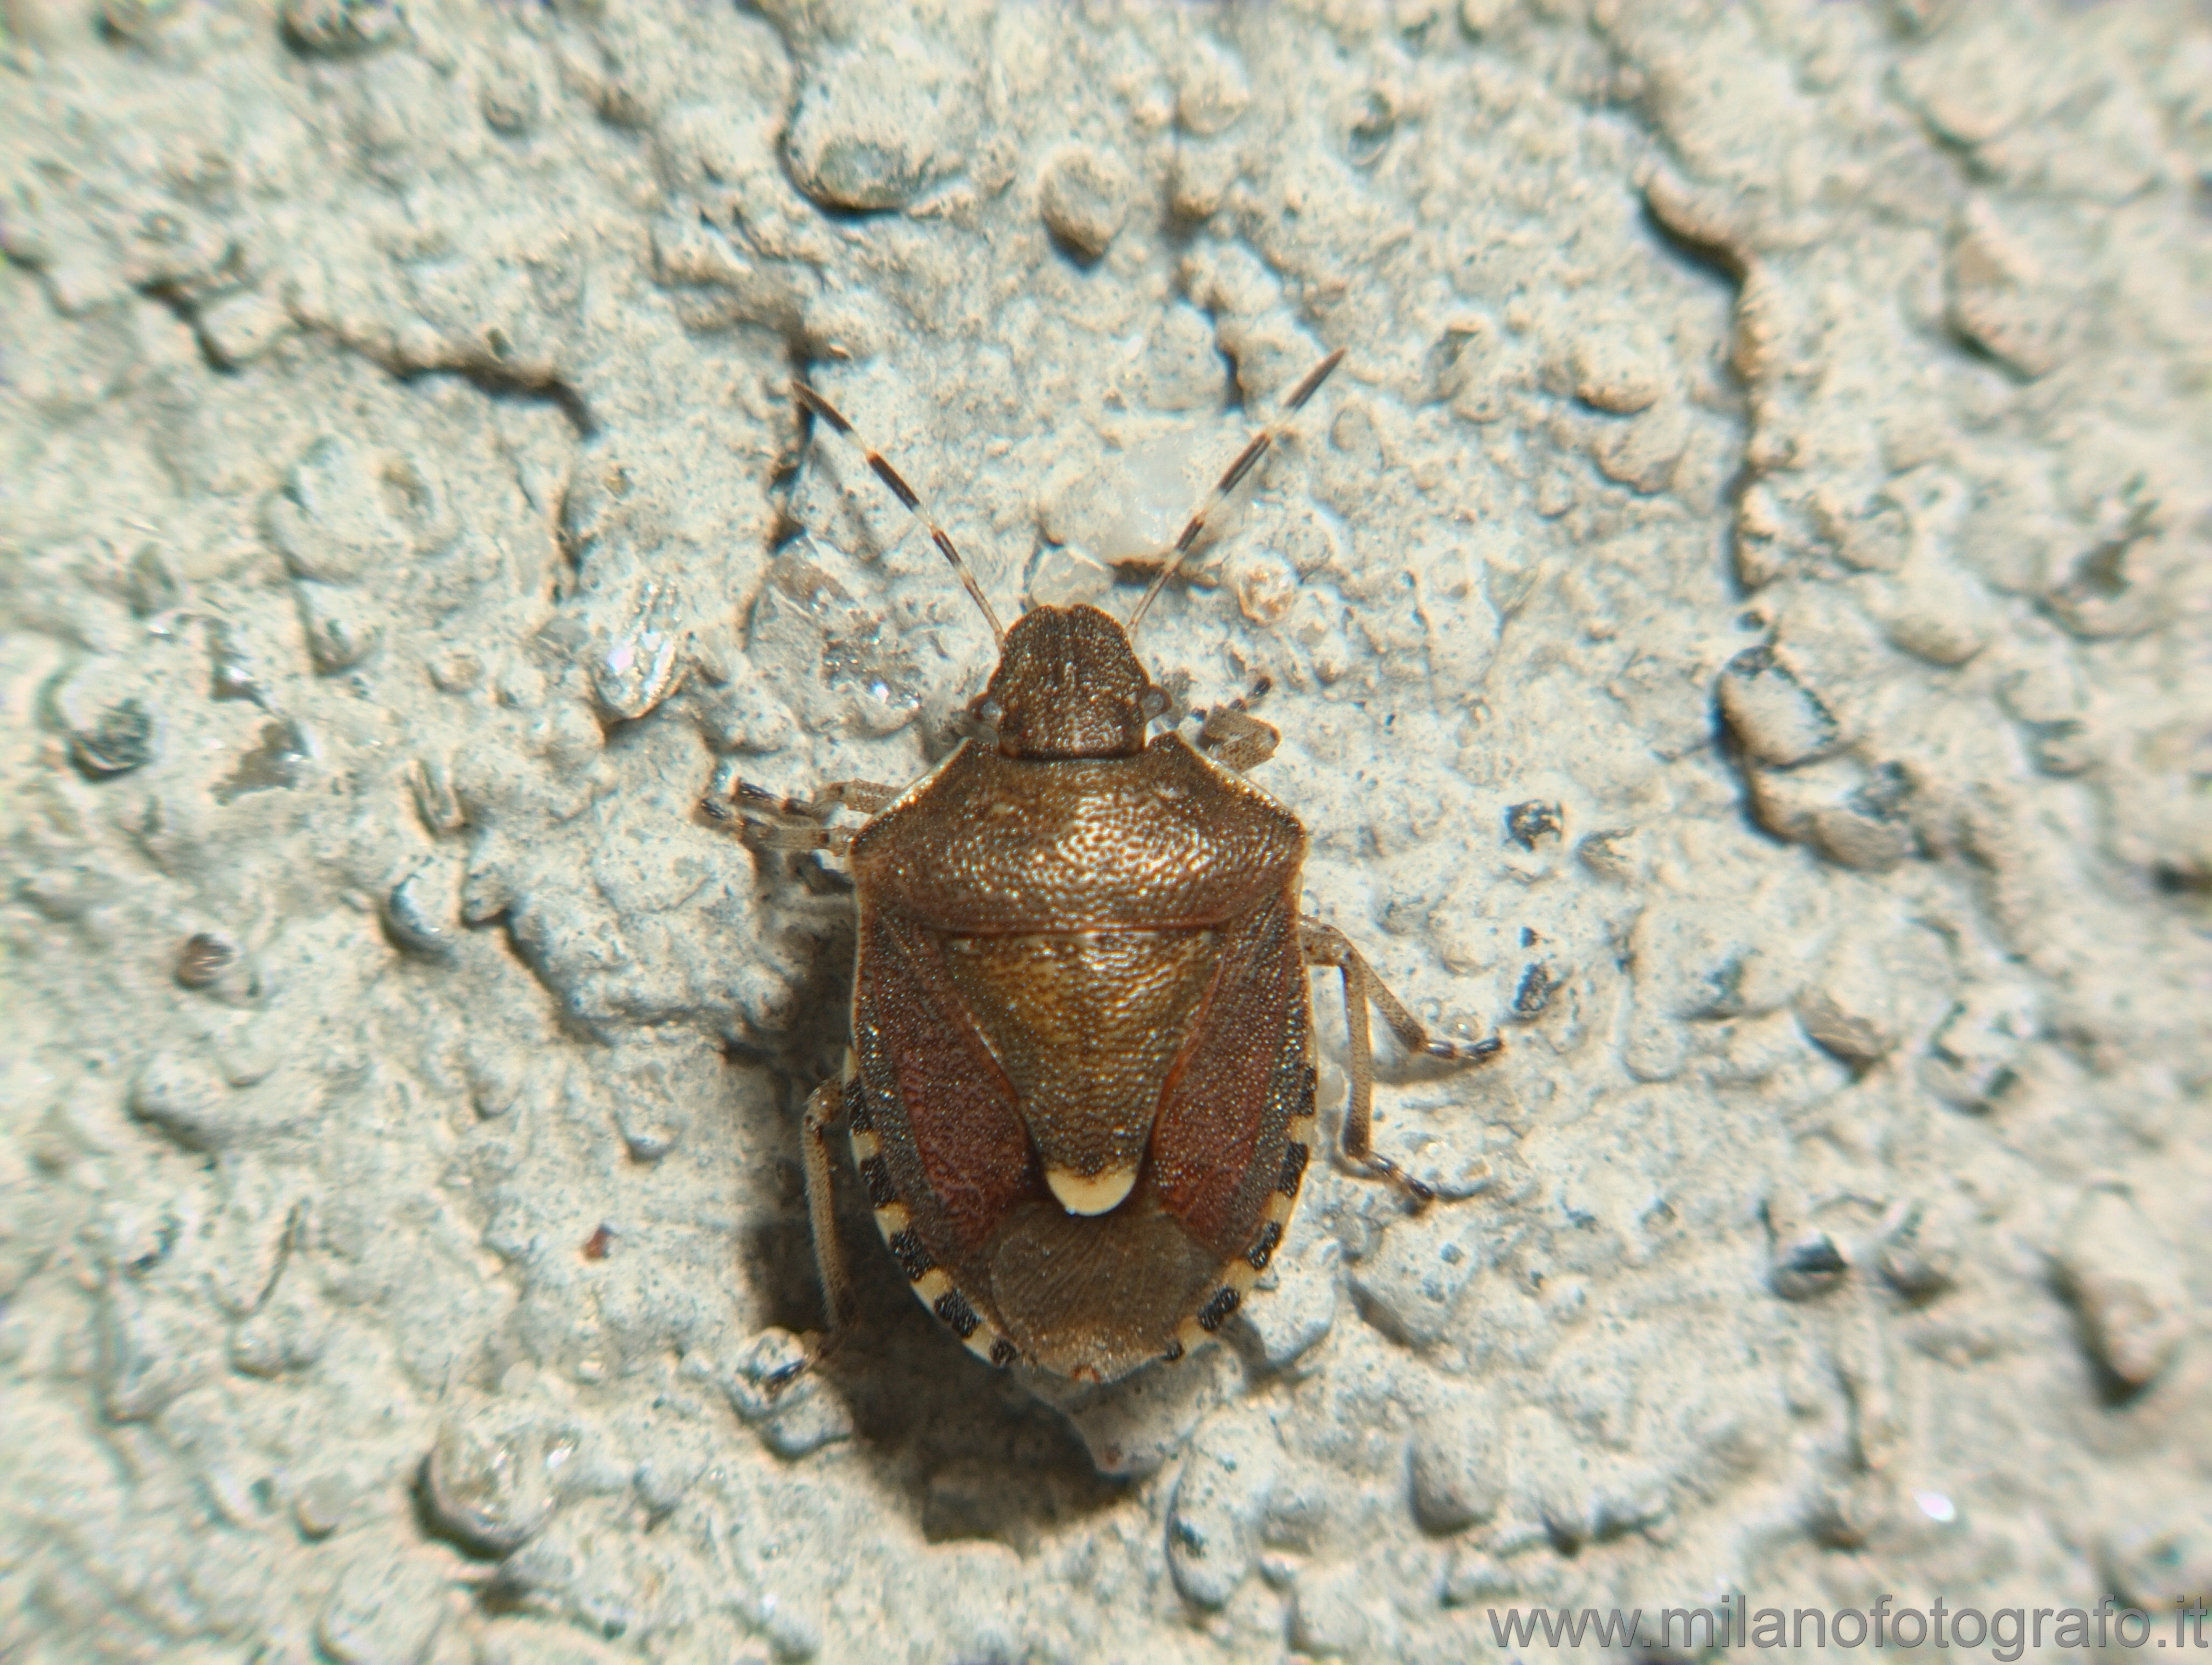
(973, 1454)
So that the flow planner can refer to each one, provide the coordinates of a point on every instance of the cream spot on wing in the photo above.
(1093, 1193)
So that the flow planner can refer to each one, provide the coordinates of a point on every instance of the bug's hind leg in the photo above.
(1324, 945)
(1236, 739)
(823, 1105)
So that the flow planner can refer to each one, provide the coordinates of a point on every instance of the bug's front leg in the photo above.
(1324, 945)
(769, 822)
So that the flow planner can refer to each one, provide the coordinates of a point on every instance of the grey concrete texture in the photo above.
(1741, 624)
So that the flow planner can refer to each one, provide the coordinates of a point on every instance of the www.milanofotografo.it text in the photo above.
(1733, 1622)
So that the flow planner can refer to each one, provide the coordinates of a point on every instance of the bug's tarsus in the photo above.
(816, 1349)
(1456, 1051)
(1324, 945)
(1382, 1167)
(1247, 460)
(896, 484)
(791, 1372)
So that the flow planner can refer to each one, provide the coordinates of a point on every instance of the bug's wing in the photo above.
(955, 1149)
(1242, 1094)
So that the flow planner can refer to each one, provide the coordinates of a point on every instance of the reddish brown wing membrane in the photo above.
(930, 1069)
(1225, 1119)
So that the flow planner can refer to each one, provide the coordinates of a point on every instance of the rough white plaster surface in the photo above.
(1741, 620)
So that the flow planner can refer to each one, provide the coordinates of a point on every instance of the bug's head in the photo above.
(1068, 685)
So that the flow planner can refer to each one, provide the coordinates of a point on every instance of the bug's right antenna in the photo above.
(1245, 459)
(906, 494)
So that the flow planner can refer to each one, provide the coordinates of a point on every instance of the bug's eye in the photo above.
(984, 709)
(1153, 703)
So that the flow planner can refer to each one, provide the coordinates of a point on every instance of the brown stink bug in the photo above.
(1080, 1086)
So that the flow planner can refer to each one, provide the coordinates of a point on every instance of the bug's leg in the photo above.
(822, 1107)
(1324, 945)
(764, 832)
(906, 495)
(862, 797)
(1236, 739)
(769, 822)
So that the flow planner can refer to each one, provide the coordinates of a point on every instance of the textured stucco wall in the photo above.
(1777, 437)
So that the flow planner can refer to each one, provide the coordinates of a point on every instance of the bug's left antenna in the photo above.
(1246, 461)
(906, 494)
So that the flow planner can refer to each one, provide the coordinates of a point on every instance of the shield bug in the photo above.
(1080, 1084)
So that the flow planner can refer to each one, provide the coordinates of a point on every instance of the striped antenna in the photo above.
(1247, 460)
(906, 494)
